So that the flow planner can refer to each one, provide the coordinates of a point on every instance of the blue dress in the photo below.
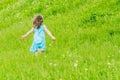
(39, 39)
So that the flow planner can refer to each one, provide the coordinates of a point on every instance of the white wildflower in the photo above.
(75, 64)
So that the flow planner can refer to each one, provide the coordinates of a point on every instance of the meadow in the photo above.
(87, 45)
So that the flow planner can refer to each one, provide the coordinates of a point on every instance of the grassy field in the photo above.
(87, 45)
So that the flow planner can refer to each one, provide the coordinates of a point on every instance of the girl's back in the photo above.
(39, 34)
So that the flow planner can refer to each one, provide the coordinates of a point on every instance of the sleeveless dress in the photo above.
(38, 39)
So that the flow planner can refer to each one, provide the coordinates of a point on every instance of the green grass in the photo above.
(87, 45)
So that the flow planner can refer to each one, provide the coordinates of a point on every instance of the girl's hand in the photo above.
(23, 37)
(53, 38)
(27, 34)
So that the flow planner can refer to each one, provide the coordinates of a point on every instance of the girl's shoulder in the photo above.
(42, 26)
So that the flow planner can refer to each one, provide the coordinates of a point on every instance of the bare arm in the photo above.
(27, 34)
(49, 33)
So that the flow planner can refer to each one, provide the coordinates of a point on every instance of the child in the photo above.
(39, 43)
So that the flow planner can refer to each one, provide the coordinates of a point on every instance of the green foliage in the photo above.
(87, 45)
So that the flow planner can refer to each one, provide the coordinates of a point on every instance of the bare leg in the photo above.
(38, 52)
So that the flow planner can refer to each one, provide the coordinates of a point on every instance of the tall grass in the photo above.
(87, 45)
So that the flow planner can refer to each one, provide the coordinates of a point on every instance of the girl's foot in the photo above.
(40, 51)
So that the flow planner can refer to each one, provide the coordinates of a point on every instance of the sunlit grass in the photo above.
(87, 45)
